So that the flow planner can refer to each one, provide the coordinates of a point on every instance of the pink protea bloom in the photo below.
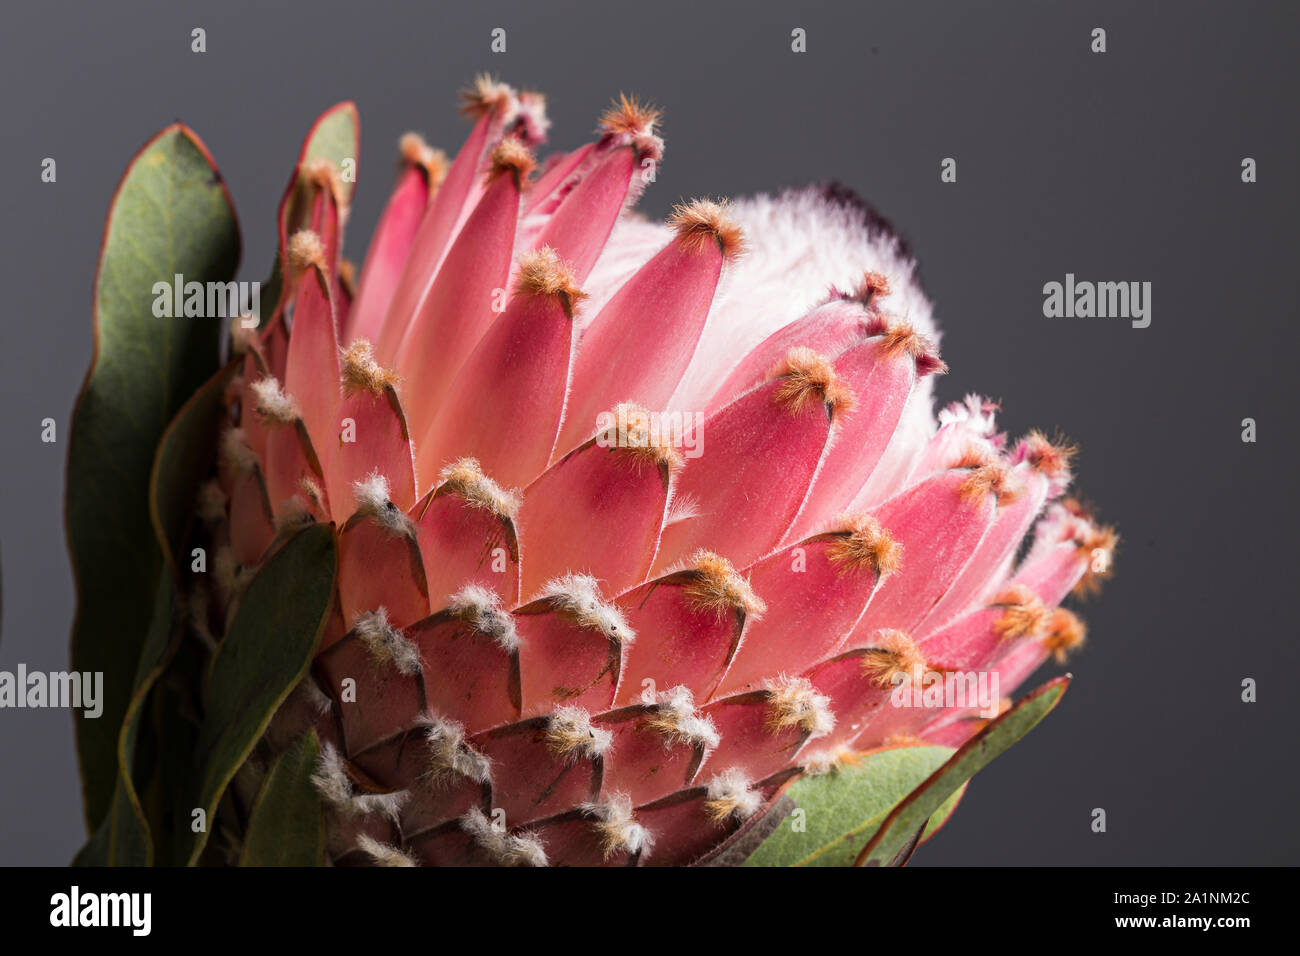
(635, 520)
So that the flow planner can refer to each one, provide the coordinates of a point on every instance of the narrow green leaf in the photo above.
(123, 837)
(286, 826)
(176, 728)
(913, 812)
(171, 214)
(841, 810)
(266, 651)
(185, 456)
(119, 840)
(940, 816)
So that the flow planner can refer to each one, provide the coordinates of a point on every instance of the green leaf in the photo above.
(336, 136)
(842, 809)
(266, 651)
(940, 816)
(123, 837)
(907, 819)
(176, 728)
(171, 214)
(185, 457)
(119, 840)
(286, 826)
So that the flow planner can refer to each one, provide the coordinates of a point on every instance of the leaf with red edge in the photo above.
(171, 215)
(922, 803)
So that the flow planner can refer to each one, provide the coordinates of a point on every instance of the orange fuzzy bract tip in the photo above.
(992, 477)
(306, 249)
(1065, 632)
(901, 339)
(973, 456)
(716, 586)
(512, 156)
(361, 373)
(543, 273)
(1099, 544)
(419, 153)
(628, 115)
(466, 480)
(808, 376)
(862, 542)
(486, 96)
(1052, 459)
(794, 703)
(1023, 613)
(322, 174)
(704, 222)
(873, 285)
(634, 437)
(894, 656)
(1096, 542)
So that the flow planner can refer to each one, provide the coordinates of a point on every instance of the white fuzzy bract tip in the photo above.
(794, 703)
(384, 854)
(501, 846)
(306, 249)
(386, 644)
(372, 501)
(679, 723)
(729, 795)
(571, 735)
(335, 787)
(212, 502)
(480, 608)
(578, 595)
(275, 407)
(617, 827)
(974, 412)
(449, 756)
(235, 451)
(465, 479)
(828, 761)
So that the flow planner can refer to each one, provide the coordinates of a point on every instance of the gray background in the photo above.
(1123, 166)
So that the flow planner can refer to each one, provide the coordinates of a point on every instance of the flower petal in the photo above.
(470, 652)
(617, 495)
(939, 524)
(391, 244)
(689, 625)
(760, 454)
(458, 310)
(540, 768)
(662, 308)
(380, 566)
(816, 589)
(572, 651)
(504, 408)
(456, 198)
(370, 433)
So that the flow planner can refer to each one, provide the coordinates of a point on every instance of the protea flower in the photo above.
(634, 524)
